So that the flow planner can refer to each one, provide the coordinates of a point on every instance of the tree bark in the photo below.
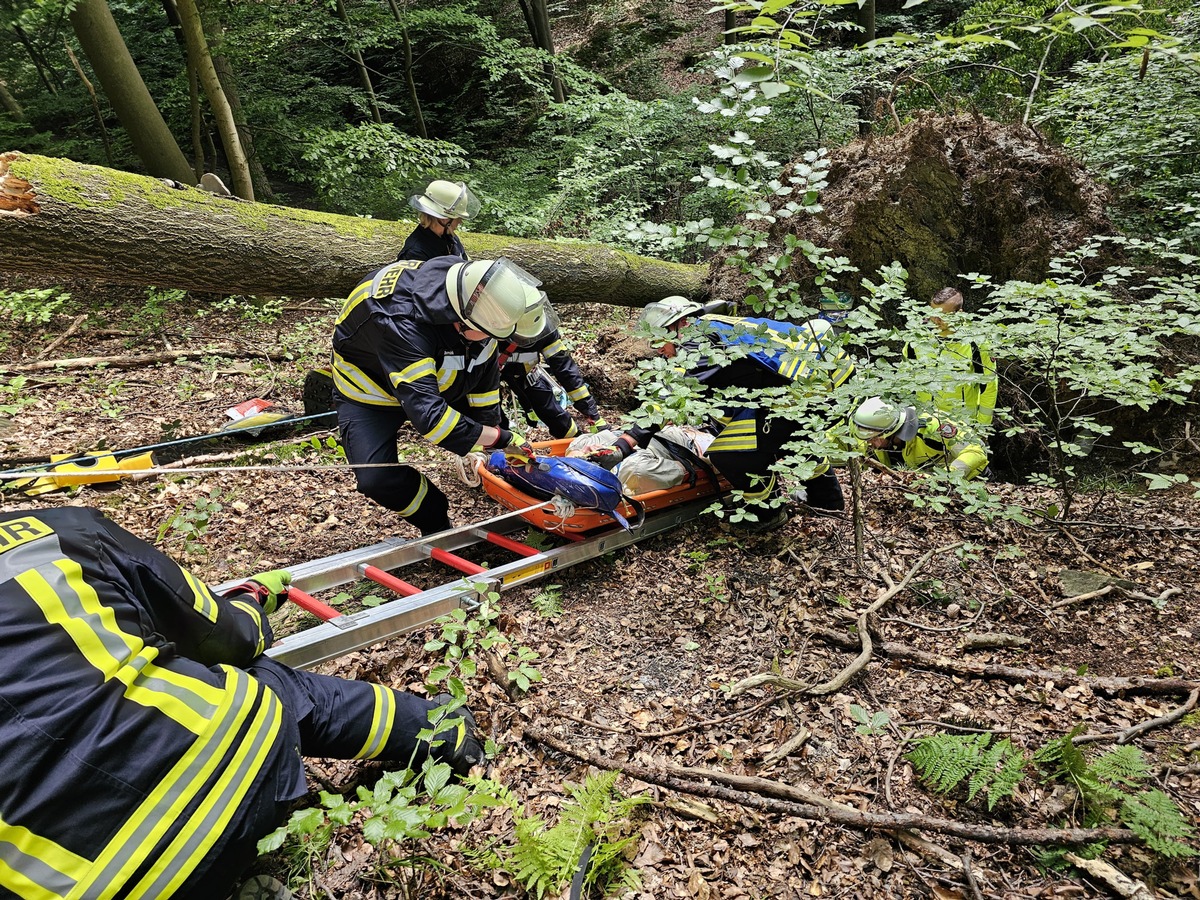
(201, 59)
(537, 20)
(105, 49)
(10, 104)
(364, 75)
(72, 220)
(409, 79)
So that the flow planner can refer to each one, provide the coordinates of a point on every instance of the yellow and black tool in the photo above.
(69, 469)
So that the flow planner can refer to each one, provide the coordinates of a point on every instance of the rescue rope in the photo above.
(184, 470)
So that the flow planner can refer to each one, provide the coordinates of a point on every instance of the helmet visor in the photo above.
(494, 288)
(446, 200)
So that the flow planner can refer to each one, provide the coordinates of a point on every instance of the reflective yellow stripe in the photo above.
(254, 611)
(202, 598)
(445, 378)
(35, 867)
(381, 723)
(115, 654)
(422, 368)
(357, 295)
(353, 383)
(445, 425)
(223, 801)
(572, 431)
(554, 349)
(416, 503)
(579, 393)
(222, 749)
(739, 435)
(755, 496)
(491, 398)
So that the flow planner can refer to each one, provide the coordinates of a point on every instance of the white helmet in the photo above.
(446, 200)
(491, 295)
(666, 312)
(537, 323)
(875, 417)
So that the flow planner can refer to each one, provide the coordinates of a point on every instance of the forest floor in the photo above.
(637, 661)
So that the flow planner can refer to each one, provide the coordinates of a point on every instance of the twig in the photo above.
(62, 338)
(1124, 737)
(972, 883)
(1134, 595)
(987, 834)
(1109, 685)
(866, 646)
(125, 362)
(671, 732)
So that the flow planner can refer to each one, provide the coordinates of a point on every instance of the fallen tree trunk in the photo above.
(66, 219)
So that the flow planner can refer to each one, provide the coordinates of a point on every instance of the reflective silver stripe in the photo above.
(446, 424)
(33, 868)
(184, 784)
(486, 352)
(33, 555)
(554, 349)
(354, 384)
(381, 723)
(416, 502)
(579, 393)
(491, 398)
(529, 359)
(212, 816)
(202, 598)
(453, 363)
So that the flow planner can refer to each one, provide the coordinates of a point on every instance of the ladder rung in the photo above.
(399, 585)
(455, 561)
(509, 544)
(309, 603)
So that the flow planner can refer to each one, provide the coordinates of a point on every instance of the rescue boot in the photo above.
(262, 887)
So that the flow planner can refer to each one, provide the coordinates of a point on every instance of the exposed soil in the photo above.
(945, 195)
(649, 639)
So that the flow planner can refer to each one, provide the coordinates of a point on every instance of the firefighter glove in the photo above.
(519, 452)
(270, 589)
(597, 424)
(610, 457)
(461, 749)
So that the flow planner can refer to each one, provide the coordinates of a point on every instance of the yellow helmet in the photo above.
(491, 295)
(875, 417)
(666, 312)
(446, 200)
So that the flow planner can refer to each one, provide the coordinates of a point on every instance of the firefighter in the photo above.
(749, 439)
(148, 743)
(965, 374)
(441, 208)
(521, 370)
(900, 437)
(416, 342)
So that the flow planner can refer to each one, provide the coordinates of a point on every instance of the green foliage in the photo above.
(869, 722)
(188, 524)
(370, 169)
(544, 859)
(464, 638)
(945, 760)
(32, 305)
(154, 313)
(13, 398)
(548, 601)
(1104, 784)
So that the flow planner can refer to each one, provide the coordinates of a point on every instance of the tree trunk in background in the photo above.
(214, 31)
(108, 157)
(105, 49)
(730, 24)
(865, 18)
(46, 72)
(199, 56)
(63, 218)
(363, 74)
(10, 104)
(198, 164)
(537, 20)
(410, 82)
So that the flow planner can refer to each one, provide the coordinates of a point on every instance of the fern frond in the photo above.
(1122, 765)
(1154, 817)
(1011, 771)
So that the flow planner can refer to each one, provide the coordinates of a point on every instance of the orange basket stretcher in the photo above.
(582, 521)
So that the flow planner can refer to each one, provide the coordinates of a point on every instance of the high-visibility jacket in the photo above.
(395, 345)
(968, 386)
(130, 738)
(783, 353)
(937, 443)
(517, 362)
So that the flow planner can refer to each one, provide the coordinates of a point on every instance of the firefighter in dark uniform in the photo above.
(416, 342)
(147, 742)
(441, 208)
(748, 439)
(520, 369)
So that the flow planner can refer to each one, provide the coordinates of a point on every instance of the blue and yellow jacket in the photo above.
(938, 443)
(129, 735)
(395, 345)
(782, 353)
